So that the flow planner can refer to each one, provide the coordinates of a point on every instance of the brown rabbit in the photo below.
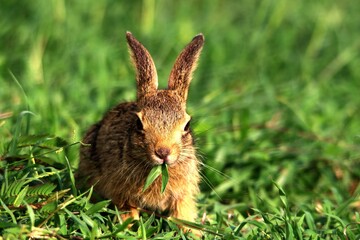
(133, 137)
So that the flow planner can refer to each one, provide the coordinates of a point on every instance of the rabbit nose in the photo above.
(163, 153)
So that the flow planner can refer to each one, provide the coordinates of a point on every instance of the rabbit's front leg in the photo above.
(129, 211)
(185, 209)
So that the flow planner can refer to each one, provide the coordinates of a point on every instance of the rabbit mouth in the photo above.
(164, 155)
(169, 160)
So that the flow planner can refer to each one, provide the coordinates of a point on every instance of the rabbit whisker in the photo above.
(209, 184)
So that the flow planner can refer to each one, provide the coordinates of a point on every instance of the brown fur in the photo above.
(133, 137)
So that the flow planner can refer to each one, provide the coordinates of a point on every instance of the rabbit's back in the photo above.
(103, 145)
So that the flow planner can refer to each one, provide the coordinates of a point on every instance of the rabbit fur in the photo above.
(120, 150)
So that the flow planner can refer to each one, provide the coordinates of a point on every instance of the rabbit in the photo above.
(120, 150)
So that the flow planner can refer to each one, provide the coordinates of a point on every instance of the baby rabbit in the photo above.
(133, 137)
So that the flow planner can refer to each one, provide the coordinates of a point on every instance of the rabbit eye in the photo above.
(139, 125)
(187, 126)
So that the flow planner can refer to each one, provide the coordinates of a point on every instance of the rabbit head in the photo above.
(162, 126)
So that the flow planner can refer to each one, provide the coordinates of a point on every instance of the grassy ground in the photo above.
(275, 102)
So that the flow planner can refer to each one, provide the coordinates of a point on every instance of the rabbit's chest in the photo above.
(155, 200)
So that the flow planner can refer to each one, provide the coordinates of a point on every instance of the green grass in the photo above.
(275, 102)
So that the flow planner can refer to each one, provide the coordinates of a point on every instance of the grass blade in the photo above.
(97, 207)
(20, 197)
(142, 230)
(8, 211)
(165, 177)
(13, 146)
(31, 215)
(196, 226)
(154, 173)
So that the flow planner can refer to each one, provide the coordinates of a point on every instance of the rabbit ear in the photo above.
(184, 66)
(146, 76)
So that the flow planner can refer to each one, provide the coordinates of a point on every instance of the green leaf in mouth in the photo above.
(154, 174)
(164, 177)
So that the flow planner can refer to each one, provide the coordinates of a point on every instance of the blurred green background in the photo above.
(275, 96)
